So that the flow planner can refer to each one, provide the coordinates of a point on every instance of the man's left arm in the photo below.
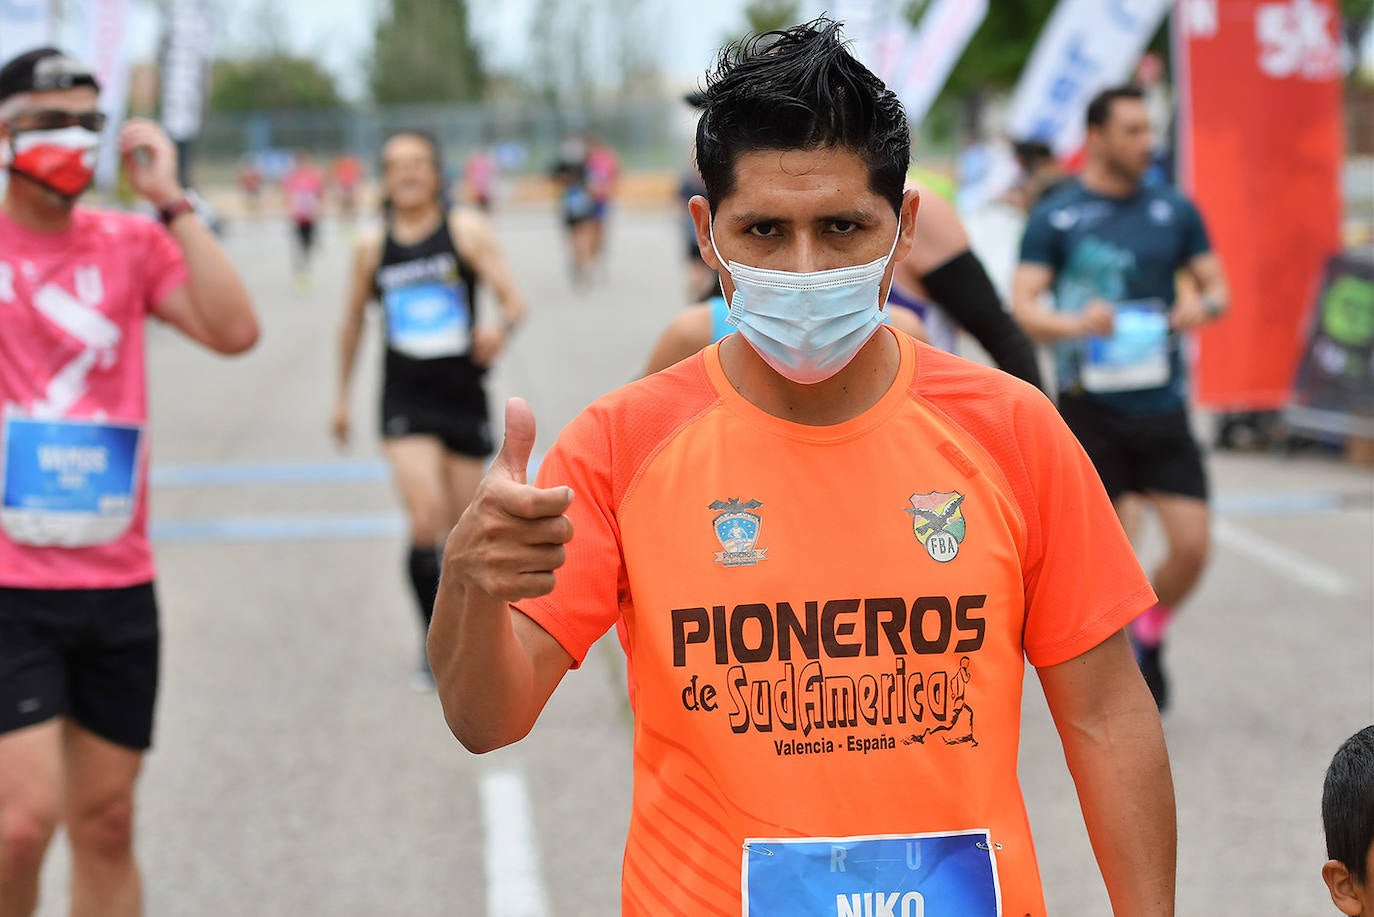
(1204, 267)
(212, 307)
(477, 243)
(1114, 745)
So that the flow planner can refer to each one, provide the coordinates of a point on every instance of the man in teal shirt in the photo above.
(1109, 248)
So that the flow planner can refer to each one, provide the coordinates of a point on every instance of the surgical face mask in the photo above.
(807, 326)
(61, 160)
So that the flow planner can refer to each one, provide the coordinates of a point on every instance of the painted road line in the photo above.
(1293, 565)
(277, 528)
(514, 888)
(225, 474)
(1287, 503)
(220, 474)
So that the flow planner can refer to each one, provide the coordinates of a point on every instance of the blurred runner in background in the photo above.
(424, 269)
(347, 177)
(303, 190)
(479, 178)
(578, 207)
(1108, 247)
(603, 175)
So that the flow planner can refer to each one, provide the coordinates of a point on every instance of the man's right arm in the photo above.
(1032, 281)
(365, 258)
(494, 667)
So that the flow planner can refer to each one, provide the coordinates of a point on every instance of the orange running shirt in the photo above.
(826, 626)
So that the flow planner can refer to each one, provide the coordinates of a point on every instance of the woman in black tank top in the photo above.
(424, 273)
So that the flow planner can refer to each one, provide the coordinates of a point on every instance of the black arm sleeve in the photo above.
(962, 288)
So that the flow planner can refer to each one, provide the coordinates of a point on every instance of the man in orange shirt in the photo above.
(801, 534)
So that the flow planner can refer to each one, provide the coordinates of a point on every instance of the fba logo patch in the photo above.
(938, 523)
(737, 529)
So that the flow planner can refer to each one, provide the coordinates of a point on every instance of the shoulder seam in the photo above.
(665, 441)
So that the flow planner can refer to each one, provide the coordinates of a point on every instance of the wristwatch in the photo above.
(1213, 307)
(175, 209)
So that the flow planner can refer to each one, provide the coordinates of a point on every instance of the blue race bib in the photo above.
(1136, 356)
(68, 483)
(916, 875)
(428, 320)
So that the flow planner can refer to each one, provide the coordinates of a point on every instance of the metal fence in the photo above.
(647, 135)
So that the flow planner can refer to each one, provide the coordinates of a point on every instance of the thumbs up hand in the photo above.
(510, 539)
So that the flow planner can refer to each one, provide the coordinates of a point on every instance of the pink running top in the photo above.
(304, 190)
(73, 401)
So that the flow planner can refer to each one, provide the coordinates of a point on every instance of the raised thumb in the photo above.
(514, 457)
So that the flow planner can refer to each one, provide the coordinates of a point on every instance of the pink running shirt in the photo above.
(304, 190)
(73, 398)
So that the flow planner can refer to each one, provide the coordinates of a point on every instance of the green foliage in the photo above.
(767, 15)
(275, 81)
(999, 49)
(424, 53)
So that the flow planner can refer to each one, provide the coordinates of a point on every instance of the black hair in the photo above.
(1100, 108)
(436, 149)
(799, 89)
(1348, 803)
(436, 152)
(1030, 153)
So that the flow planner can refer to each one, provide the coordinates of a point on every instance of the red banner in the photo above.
(1260, 150)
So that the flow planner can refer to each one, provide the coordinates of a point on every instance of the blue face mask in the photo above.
(807, 326)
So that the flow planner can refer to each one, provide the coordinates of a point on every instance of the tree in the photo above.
(278, 80)
(999, 49)
(767, 15)
(423, 52)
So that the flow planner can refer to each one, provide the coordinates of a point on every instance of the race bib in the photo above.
(915, 875)
(68, 483)
(428, 320)
(578, 203)
(1136, 356)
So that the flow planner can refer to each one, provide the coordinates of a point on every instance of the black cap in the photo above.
(44, 70)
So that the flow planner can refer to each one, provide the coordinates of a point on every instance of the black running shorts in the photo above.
(460, 420)
(87, 654)
(305, 235)
(1152, 453)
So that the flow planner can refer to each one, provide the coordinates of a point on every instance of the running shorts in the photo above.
(1150, 453)
(305, 234)
(87, 654)
(460, 419)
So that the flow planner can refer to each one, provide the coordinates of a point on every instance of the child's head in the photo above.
(1348, 815)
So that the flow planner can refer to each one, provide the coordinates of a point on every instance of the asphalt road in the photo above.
(295, 772)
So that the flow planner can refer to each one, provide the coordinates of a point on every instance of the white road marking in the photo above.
(514, 888)
(1293, 565)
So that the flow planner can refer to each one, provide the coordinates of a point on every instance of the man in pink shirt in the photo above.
(78, 618)
(303, 188)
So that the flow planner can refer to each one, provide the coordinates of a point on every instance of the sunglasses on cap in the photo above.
(58, 72)
(52, 120)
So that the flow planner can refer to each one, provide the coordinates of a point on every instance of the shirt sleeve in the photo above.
(585, 601)
(163, 265)
(1040, 243)
(1195, 239)
(1083, 582)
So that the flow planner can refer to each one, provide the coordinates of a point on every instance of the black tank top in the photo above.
(428, 294)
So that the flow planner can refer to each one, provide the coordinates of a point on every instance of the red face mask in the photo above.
(61, 160)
